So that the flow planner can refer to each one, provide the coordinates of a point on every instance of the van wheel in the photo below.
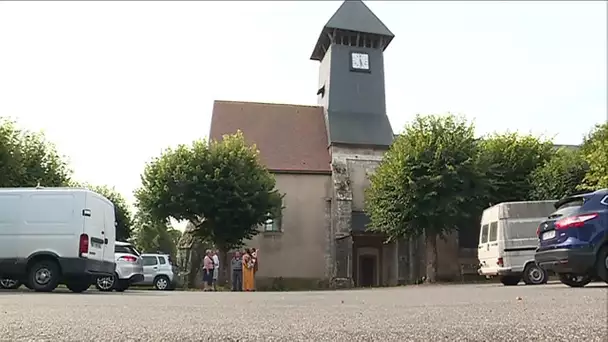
(121, 285)
(161, 283)
(78, 286)
(602, 264)
(534, 274)
(106, 284)
(9, 284)
(510, 280)
(574, 280)
(43, 276)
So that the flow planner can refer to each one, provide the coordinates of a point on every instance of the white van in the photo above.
(508, 241)
(50, 236)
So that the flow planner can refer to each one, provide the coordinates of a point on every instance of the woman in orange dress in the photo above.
(248, 267)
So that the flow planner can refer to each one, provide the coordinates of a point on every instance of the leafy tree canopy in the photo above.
(560, 176)
(508, 160)
(595, 153)
(219, 186)
(153, 236)
(28, 159)
(427, 181)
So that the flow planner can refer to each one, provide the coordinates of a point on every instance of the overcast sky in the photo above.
(113, 83)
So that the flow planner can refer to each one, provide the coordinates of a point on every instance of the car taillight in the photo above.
(538, 231)
(127, 258)
(500, 262)
(574, 221)
(83, 246)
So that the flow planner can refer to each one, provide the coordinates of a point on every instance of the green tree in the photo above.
(595, 153)
(427, 183)
(221, 187)
(122, 211)
(28, 159)
(152, 236)
(560, 176)
(508, 160)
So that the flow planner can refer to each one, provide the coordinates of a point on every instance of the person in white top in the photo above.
(216, 269)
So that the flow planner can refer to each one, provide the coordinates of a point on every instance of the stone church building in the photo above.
(321, 156)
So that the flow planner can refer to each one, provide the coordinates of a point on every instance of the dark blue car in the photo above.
(573, 241)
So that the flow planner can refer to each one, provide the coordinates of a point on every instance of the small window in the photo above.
(162, 260)
(272, 225)
(604, 200)
(484, 234)
(493, 231)
(150, 261)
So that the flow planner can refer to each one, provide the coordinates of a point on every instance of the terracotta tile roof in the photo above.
(289, 137)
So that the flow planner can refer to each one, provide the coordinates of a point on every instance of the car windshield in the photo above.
(128, 249)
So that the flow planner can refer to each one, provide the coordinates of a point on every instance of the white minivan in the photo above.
(508, 241)
(51, 236)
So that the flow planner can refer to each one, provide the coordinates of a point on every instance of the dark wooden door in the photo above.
(367, 270)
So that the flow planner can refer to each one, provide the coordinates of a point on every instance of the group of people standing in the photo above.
(244, 265)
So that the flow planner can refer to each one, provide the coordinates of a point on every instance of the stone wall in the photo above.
(190, 254)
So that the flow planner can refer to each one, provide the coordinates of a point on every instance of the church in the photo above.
(321, 156)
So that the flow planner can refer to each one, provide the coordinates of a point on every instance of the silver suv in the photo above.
(159, 271)
(129, 269)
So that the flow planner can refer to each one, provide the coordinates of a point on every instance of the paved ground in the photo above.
(426, 313)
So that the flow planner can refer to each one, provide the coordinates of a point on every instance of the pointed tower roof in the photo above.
(353, 16)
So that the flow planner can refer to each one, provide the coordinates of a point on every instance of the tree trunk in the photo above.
(223, 277)
(431, 258)
(411, 259)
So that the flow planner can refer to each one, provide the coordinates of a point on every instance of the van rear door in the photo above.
(109, 232)
(94, 213)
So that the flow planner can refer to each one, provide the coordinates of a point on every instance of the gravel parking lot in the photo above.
(422, 313)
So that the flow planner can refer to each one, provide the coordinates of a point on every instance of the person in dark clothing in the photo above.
(237, 272)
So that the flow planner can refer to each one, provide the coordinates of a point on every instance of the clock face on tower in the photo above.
(359, 61)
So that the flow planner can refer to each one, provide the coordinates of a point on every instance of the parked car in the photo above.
(53, 236)
(507, 241)
(159, 271)
(573, 241)
(129, 269)
(9, 284)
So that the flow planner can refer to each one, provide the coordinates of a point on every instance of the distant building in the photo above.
(321, 157)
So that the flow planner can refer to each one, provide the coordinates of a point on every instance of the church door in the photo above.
(367, 270)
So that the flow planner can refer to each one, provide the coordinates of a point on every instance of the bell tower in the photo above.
(351, 77)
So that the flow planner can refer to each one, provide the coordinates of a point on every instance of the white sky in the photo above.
(113, 83)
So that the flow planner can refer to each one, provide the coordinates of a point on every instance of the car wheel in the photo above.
(534, 274)
(574, 280)
(78, 286)
(602, 264)
(162, 283)
(105, 284)
(9, 284)
(43, 276)
(510, 280)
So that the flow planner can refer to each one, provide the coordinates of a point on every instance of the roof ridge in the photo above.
(267, 103)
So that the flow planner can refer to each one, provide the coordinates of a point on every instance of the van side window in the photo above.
(150, 261)
(493, 231)
(484, 234)
(162, 260)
